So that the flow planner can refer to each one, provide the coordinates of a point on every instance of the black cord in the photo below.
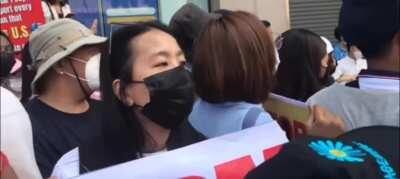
(87, 96)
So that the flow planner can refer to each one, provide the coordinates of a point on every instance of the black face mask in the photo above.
(7, 62)
(171, 97)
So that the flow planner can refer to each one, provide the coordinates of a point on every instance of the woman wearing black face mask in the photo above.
(147, 106)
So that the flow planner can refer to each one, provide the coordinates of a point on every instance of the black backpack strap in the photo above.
(251, 117)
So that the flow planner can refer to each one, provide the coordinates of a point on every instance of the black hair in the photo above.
(378, 48)
(123, 133)
(5, 35)
(185, 42)
(266, 23)
(298, 74)
(375, 48)
(338, 35)
(2, 33)
(186, 25)
(27, 74)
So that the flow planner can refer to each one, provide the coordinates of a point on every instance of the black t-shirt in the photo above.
(55, 132)
(95, 155)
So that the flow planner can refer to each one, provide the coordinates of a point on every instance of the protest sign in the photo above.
(227, 157)
(291, 114)
(18, 17)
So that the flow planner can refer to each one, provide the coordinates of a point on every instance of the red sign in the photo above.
(18, 17)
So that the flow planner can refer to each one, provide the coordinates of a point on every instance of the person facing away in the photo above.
(187, 24)
(149, 94)
(233, 73)
(373, 98)
(305, 66)
(66, 59)
(349, 67)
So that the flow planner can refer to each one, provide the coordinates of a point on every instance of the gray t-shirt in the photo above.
(360, 108)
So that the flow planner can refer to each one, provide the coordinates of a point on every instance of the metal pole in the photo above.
(101, 17)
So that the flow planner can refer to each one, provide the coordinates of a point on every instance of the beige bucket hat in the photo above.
(56, 40)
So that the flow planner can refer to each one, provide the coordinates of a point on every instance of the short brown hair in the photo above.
(234, 60)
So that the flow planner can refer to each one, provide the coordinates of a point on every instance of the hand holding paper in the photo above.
(324, 123)
(297, 118)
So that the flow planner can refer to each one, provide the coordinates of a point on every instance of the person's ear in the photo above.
(116, 85)
(325, 61)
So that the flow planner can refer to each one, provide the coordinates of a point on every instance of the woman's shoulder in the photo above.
(67, 166)
(255, 115)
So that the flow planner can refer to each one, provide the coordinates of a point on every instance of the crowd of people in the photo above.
(205, 75)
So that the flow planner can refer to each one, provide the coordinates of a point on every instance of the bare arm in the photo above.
(346, 78)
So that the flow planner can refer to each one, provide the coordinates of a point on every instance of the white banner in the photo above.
(227, 157)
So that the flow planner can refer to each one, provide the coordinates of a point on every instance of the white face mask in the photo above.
(92, 71)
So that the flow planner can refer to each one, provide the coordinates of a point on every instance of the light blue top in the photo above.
(213, 120)
(339, 53)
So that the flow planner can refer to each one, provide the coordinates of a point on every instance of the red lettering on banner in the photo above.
(239, 168)
(18, 18)
(270, 153)
(292, 128)
(235, 169)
